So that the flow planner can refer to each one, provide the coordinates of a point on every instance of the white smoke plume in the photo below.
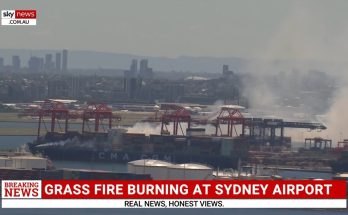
(337, 117)
(258, 92)
(145, 127)
(215, 107)
(307, 39)
(75, 142)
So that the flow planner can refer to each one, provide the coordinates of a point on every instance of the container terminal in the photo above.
(236, 138)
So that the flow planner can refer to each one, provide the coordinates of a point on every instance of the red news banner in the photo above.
(174, 194)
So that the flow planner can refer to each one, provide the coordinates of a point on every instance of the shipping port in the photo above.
(236, 138)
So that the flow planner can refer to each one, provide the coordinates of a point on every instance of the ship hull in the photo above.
(339, 166)
(93, 155)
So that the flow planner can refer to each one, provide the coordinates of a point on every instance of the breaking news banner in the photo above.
(173, 194)
(18, 17)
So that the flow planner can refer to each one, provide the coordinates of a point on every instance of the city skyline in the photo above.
(254, 29)
(37, 64)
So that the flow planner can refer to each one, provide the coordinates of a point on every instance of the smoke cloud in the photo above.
(337, 117)
(306, 40)
(145, 127)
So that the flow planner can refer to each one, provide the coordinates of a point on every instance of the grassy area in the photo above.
(126, 116)
(18, 132)
(13, 117)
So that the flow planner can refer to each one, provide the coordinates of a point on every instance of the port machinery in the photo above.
(176, 115)
(174, 119)
(229, 121)
(98, 113)
(57, 112)
(237, 134)
(232, 116)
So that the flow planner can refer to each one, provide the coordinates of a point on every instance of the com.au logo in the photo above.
(18, 17)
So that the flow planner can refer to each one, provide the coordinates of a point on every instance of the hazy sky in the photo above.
(313, 29)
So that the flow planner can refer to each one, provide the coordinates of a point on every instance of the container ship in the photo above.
(121, 147)
(181, 140)
(341, 164)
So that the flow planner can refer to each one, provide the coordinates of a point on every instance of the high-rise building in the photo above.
(41, 64)
(132, 82)
(224, 68)
(16, 63)
(49, 65)
(58, 89)
(226, 72)
(58, 62)
(134, 67)
(35, 64)
(74, 91)
(145, 72)
(133, 87)
(1, 63)
(65, 61)
(143, 65)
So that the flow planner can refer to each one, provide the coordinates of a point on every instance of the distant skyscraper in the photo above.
(132, 82)
(49, 65)
(143, 66)
(58, 62)
(74, 87)
(16, 63)
(134, 67)
(226, 72)
(35, 64)
(1, 63)
(145, 72)
(65, 61)
(224, 68)
(41, 64)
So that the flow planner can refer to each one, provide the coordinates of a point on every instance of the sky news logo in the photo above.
(18, 17)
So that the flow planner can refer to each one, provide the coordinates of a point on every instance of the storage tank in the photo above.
(156, 168)
(29, 162)
(5, 162)
(190, 171)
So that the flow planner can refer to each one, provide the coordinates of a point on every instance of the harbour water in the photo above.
(14, 142)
